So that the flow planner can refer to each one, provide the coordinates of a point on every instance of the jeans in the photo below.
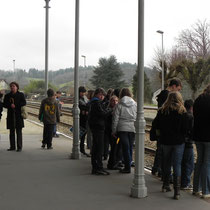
(127, 139)
(202, 168)
(172, 154)
(157, 167)
(54, 129)
(187, 166)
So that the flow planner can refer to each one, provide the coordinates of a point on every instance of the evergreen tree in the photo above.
(108, 74)
(147, 88)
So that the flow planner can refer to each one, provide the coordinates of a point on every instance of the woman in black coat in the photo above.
(171, 121)
(13, 101)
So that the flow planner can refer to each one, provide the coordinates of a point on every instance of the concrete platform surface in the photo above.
(37, 179)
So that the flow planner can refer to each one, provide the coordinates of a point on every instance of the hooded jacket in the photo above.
(49, 112)
(97, 114)
(124, 115)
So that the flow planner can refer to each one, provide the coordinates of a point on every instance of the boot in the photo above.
(177, 184)
(166, 184)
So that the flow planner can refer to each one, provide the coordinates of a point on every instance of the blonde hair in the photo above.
(173, 102)
(112, 98)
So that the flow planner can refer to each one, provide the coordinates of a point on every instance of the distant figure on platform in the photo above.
(188, 156)
(1, 105)
(57, 97)
(90, 95)
(13, 101)
(49, 115)
(83, 106)
(201, 131)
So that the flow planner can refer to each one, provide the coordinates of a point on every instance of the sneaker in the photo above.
(113, 167)
(11, 149)
(205, 196)
(189, 187)
(43, 146)
(197, 193)
(166, 189)
(132, 164)
(125, 171)
(100, 172)
(49, 147)
(19, 150)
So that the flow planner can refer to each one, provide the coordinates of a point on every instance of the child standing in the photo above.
(49, 114)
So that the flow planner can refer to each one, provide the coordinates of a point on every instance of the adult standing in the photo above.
(60, 103)
(83, 106)
(174, 85)
(13, 101)
(171, 121)
(96, 120)
(124, 117)
(201, 112)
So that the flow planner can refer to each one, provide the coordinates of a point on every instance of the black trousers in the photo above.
(97, 149)
(48, 134)
(12, 138)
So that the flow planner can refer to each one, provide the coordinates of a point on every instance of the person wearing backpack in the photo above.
(49, 115)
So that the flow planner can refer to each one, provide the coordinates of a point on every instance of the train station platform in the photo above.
(37, 179)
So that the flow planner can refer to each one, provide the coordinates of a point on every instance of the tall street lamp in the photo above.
(75, 149)
(138, 188)
(46, 44)
(83, 56)
(14, 70)
(162, 56)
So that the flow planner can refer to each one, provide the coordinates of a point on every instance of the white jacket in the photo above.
(124, 115)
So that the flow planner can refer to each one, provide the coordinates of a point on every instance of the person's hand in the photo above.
(12, 106)
(114, 135)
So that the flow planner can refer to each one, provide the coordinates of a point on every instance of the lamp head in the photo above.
(160, 32)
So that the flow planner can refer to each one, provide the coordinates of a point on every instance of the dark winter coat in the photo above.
(14, 118)
(161, 98)
(201, 112)
(97, 115)
(189, 134)
(83, 106)
(49, 111)
(1, 109)
(172, 127)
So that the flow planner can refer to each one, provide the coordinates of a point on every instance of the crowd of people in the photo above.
(176, 127)
(107, 119)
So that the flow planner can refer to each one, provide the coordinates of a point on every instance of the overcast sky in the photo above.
(107, 27)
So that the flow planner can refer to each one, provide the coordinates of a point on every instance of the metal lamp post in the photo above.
(83, 56)
(75, 149)
(46, 44)
(14, 70)
(138, 188)
(161, 32)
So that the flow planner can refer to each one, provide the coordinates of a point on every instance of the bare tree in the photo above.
(196, 40)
